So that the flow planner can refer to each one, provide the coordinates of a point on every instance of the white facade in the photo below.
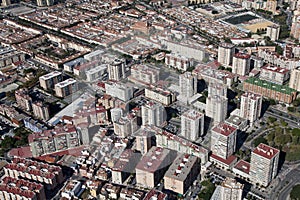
(225, 54)
(229, 189)
(121, 91)
(273, 32)
(241, 64)
(295, 79)
(153, 114)
(251, 105)
(192, 125)
(216, 108)
(187, 84)
(116, 70)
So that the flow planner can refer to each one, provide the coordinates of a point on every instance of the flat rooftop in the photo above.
(224, 129)
(50, 75)
(265, 151)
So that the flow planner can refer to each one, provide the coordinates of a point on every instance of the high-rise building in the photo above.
(223, 140)
(182, 173)
(144, 74)
(66, 88)
(6, 2)
(126, 125)
(187, 84)
(48, 81)
(153, 166)
(295, 79)
(295, 30)
(121, 91)
(229, 189)
(225, 53)
(219, 89)
(41, 110)
(116, 70)
(43, 3)
(251, 105)
(144, 138)
(241, 64)
(274, 74)
(273, 32)
(192, 125)
(160, 95)
(23, 99)
(264, 164)
(216, 108)
(153, 114)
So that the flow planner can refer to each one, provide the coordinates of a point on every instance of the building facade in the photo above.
(48, 81)
(295, 79)
(192, 125)
(153, 114)
(66, 88)
(216, 108)
(225, 54)
(241, 64)
(251, 105)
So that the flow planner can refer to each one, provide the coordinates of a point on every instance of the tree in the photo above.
(259, 140)
(295, 193)
(272, 119)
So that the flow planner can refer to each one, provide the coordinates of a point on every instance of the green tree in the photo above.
(295, 193)
(259, 140)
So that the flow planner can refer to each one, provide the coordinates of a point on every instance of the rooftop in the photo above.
(193, 114)
(50, 75)
(224, 129)
(269, 85)
(228, 161)
(181, 167)
(275, 69)
(66, 83)
(265, 151)
(242, 55)
(153, 159)
(243, 166)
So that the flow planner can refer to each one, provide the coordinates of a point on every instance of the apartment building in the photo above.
(124, 166)
(295, 79)
(35, 171)
(15, 188)
(223, 140)
(267, 89)
(182, 173)
(187, 85)
(144, 137)
(153, 114)
(225, 54)
(144, 74)
(178, 62)
(229, 189)
(160, 95)
(241, 64)
(153, 165)
(192, 125)
(264, 164)
(41, 110)
(216, 108)
(273, 32)
(126, 126)
(48, 81)
(57, 139)
(116, 70)
(218, 89)
(168, 140)
(251, 105)
(23, 99)
(274, 74)
(121, 91)
(66, 88)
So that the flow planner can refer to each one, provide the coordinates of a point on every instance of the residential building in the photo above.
(144, 137)
(295, 79)
(178, 62)
(267, 89)
(264, 164)
(218, 89)
(97, 73)
(229, 189)
(66, 88)
(15, 188)
(155, 194)
(216, 108)
(153, 165)
(251, 105)
(237, 122)
(41, 110)
(223, 140)
(295, 30)
(34, 125)
(6, 2)
(35, 171)
(126, 125)
(144, 74)
(274, 74)
(273, 32)
(153, 114)
(168, 140)
(242, 169)
(23, 99)
(121, 91)
(160, 95)
(116, 70)
(182, 173)
(71, 190)
(187, 85)
(192, 125)
(241, 64)
(225, 54)
(48, 81)
(50, 141)
(124, 166)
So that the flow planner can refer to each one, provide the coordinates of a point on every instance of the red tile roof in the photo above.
(228, 161)
(243, 166)
(265, 151)
(224, 129)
